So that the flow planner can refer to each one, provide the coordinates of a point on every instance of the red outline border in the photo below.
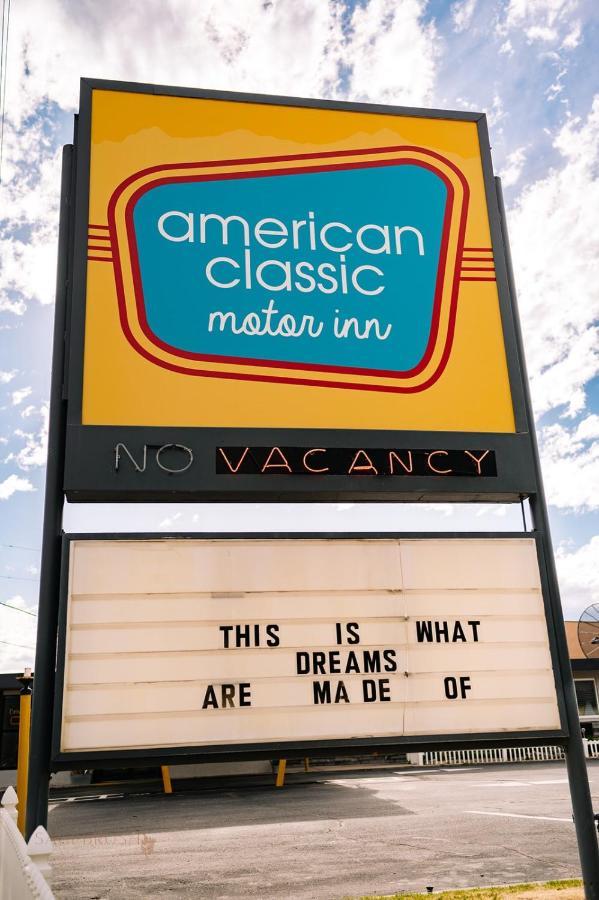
(434, 328)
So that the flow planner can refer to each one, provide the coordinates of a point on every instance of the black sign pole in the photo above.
(582, 804)
(47, 623)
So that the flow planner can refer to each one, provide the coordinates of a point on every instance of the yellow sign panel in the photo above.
(276, 266)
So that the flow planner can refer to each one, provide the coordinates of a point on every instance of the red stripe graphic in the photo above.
(101, 258)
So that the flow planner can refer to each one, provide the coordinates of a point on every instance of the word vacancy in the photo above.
(246, 269)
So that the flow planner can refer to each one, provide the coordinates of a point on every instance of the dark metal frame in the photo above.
(90, 449)
(275, 749)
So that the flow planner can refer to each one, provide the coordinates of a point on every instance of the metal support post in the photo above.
(166, 780)
(582, 804)
(23, 752)
(45, 655)
(280, 779)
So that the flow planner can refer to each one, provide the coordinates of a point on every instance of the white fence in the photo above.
(23, 867)
(494, 755)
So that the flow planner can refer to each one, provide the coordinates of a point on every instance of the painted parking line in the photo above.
(91, 797)
(480, 812)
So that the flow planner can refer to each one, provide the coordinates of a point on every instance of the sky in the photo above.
(531, 65)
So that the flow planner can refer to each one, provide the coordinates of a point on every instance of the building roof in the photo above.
(8, 681)
(574, 648)
(580, 663)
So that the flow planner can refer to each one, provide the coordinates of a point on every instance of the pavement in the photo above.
(324, 836)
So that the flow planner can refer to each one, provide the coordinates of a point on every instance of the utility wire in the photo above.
(23, 646)
(17, 578)
(2, 46)
(4, 78)
(19, 547)
(18, 608)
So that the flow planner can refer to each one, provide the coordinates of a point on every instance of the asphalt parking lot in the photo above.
(323, 836)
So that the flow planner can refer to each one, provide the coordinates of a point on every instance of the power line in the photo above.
(20, 547)
(23, 646)
(4, 78)
(17, 578)
(18, 608)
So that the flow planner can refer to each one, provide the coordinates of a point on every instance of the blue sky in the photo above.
(529, 64)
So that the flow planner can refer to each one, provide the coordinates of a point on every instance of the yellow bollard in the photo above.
(306, 763)
(280, 782)
(23, 752)
(166, 780)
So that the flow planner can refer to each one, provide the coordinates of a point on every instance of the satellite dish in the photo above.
(588, 631)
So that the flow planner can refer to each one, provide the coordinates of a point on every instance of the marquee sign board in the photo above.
(214, 646)
(257, 272)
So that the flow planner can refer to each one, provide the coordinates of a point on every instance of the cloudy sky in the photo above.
(531, 65)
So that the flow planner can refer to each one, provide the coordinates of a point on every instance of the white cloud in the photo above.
(513, 167)
(572, 39)
(12, 484)
(29, 221)
(496, 112)
(281, 47)
(16, 307)
(570, 458)
(387, 54)
(461, 13)
(392, 53)
(17, 600)
(555, 243)
(541, 20)
(578, 573)
(17, 397)
(35, 451)
(7, 377)
(19, 631)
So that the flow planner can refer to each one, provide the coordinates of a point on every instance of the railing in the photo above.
(524, 754)
(24, 867)
(494, 755)
(591, 749)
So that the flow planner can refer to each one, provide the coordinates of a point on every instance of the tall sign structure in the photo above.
(266, 298)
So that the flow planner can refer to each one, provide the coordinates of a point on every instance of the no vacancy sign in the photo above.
(212, 646)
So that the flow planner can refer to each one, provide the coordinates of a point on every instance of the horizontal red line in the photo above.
(472, 259)
(478, 269)
(101, 258)
(101, 227)
(103, 249)
(478, 249)
(99, 237)
(474, 278)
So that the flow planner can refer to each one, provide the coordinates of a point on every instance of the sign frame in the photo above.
(281, 749)
(90, 473)
(65, 431)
